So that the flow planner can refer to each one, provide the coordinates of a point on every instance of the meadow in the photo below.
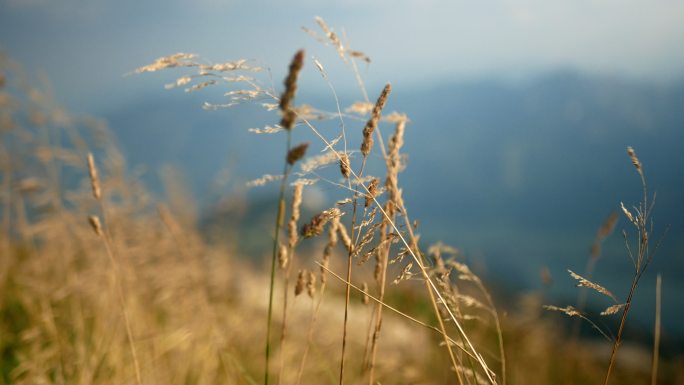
(104, 282)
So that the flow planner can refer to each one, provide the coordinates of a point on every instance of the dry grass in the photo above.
(100, 283)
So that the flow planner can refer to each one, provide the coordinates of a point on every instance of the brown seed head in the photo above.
(344, 166)
(94, 179)
(296, 153)
(301, 283)
(288, 120)
(318, 222)
(372, 191)
(372, 123)
(314, 227)
(290, 82)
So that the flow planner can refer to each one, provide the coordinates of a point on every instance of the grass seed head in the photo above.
(318, 222)
(314, 227)
(310, 284)
(583, 282)
(301, 283)
(344, 166)
(283, 257)
(635, 160)
(296, 153)
(289, 116)
(568, 310)
(292, 224)
(372, 123)
(610, 310)
(372, 192)
(627, 213)
(96, 225)
(94, 178)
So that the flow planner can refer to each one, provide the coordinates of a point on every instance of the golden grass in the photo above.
(101, 284)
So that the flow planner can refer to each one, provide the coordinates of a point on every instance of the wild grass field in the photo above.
(104, 282)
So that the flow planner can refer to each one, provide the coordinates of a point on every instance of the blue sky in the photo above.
(85, 46)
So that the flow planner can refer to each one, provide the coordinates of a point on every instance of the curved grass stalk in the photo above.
(643, 224)
(106, 237)
(280, 218)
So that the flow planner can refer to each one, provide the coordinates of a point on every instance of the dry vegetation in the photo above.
(103, 283)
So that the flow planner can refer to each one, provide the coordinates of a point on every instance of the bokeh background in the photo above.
(520, 111)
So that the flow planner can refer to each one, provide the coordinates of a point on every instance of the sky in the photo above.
(86, 46)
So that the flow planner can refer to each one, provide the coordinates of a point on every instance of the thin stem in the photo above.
(499, 331)
(643, 256)
(435, 307)
(278, 224)
(346, 308)
(106, 237)
(286, 289)
(127, 322)
(618, 337)
(349, 272)
(656, 333)
(383, 255)
(283, 328)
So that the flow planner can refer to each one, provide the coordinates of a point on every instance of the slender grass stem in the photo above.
(106, 237)
(276, 235)
(349, 273)
(618, 337)
(656, 332)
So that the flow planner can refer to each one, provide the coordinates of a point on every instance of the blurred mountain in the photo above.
(520, 175)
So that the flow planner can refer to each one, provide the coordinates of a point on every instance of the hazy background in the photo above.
(520, 112)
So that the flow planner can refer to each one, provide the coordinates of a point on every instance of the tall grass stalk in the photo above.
(656, 332)
(643, 225)
(102, 230)
(287, 122)
(366, 147)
